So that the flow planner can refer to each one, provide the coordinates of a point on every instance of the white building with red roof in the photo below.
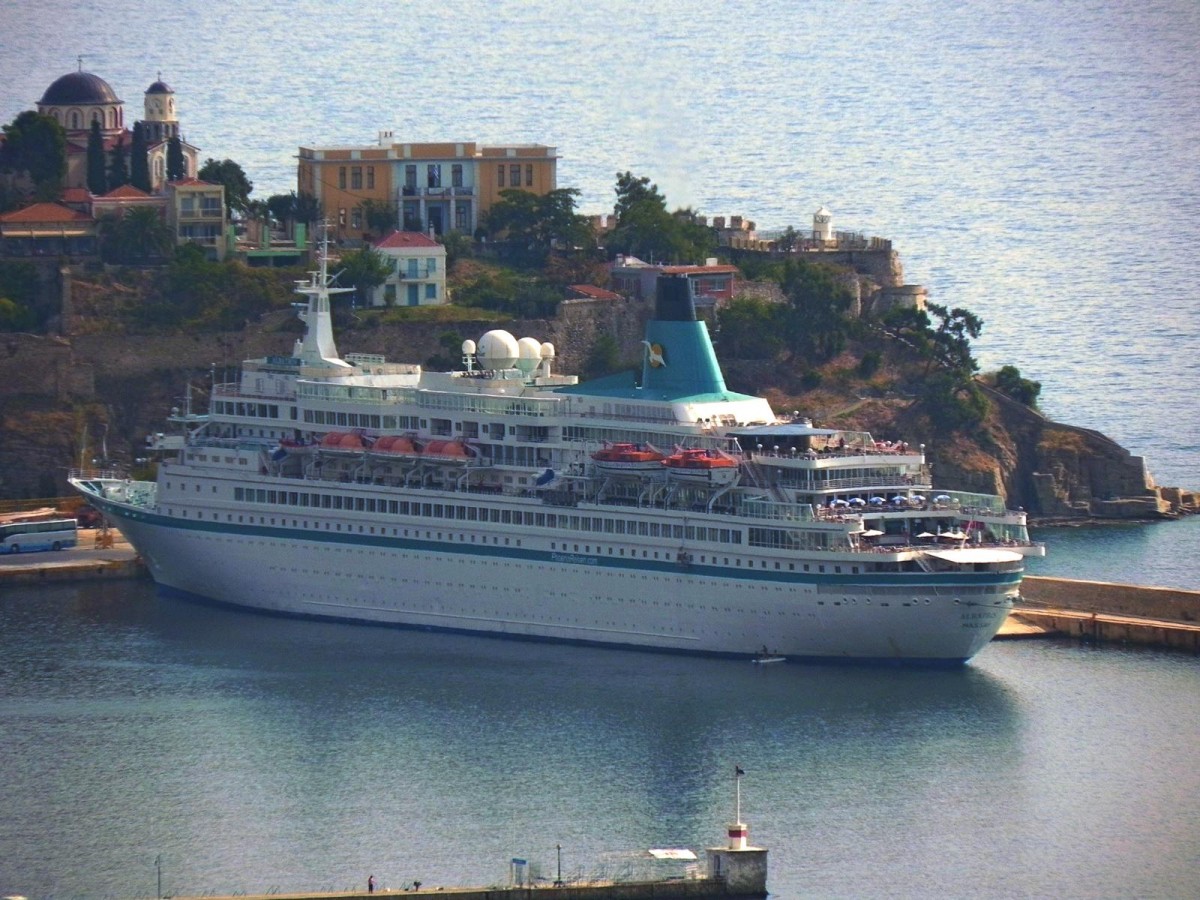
(418, 270)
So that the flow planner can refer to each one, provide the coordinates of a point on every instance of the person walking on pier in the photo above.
(370, 884)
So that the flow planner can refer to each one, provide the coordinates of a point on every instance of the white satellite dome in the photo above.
(530, 354)
(498, 350)
(547, 350)
(468, 348)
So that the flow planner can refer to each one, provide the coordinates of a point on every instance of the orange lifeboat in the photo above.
(395, 444)
(700, 466)
(629, 459)
(451, 451)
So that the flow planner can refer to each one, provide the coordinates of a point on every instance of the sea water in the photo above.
(250, 753)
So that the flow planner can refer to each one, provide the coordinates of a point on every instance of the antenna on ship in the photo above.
(317, 347)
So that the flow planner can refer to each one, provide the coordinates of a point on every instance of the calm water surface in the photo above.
(253, 752)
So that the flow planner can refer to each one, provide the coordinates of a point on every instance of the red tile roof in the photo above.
(76, 195)
(45, 212)
(402, 240)
(596, 293)
(126, 191)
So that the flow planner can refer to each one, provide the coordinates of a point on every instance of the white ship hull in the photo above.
(447, 584)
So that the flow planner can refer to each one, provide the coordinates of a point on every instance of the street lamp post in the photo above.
(558, 882)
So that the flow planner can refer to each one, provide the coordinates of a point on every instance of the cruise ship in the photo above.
(654, 509)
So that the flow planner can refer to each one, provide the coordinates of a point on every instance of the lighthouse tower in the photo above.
(822, 226)
(742, 867)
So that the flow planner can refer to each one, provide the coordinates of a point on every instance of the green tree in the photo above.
(1010, 382)
(118, 165)
(819, 325)
(751, 328)
(364, 270)
(458, 246)
(380, 216)
(36, 145)
(228, 173)
(788, 240)
(645, 229)
(97, 176)
(139, 237)
(176, 166)
(282, 207)
(633, 191)
(308, 208)
(534, 225)
(951, 340)
(139, 160)
(18, 296)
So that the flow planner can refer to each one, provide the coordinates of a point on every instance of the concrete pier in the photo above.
(84, 562)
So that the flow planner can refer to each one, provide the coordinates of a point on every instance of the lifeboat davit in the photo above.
(629, 459)
(700, 466)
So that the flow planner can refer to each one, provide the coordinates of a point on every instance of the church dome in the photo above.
(159, 87)
(81, 88)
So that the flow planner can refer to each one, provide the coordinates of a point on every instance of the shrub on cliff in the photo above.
(1009, 381)
(196, 294)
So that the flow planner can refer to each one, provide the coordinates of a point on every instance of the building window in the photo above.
(431, 292)
(460, 216)
(356, 178)
(342, 177)
(456, 175)
(434, 175)
(370, 178)
(410, 176)
(514, 174)
(431, 266)
(528, 174)
(356, 217)
(500, 175)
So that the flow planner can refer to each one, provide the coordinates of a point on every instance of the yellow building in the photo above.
(432, 187)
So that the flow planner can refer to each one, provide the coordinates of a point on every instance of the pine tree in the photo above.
(175, 164)
(97, 179)
(139, 160)
(118, 165)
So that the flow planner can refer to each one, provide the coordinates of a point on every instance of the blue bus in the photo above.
(52, 534)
